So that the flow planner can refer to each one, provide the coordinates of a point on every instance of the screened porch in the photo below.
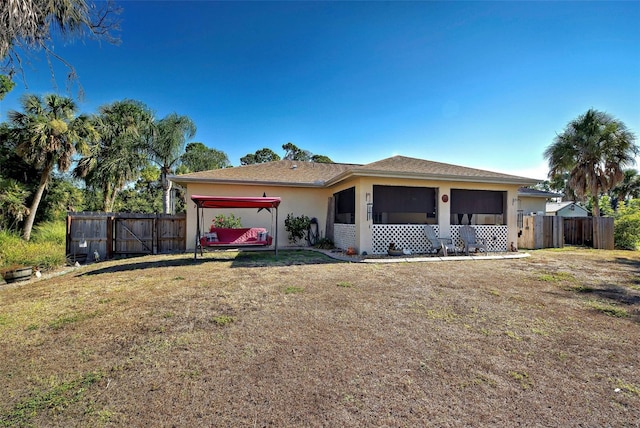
(399, 214)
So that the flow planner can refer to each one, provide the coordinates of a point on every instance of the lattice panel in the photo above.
(406, 236)
(344, 235)
(496, 236)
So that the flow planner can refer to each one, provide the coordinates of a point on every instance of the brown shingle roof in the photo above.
(278, 172)
(402, 165)
(294, 173)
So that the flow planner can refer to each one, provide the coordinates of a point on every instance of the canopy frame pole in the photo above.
(276, 233)
(195, 248)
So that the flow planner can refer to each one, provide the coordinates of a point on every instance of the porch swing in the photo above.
(241, 237)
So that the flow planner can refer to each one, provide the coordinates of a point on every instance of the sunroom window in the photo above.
(345, 206)
(404, 205)
(480, 207)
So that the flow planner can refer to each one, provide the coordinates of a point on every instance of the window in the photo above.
(345, 206)
(404, 205)
(477, 206)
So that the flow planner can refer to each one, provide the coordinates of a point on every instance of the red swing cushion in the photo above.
(241, 236)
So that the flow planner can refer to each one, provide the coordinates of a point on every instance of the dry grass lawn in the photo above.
(245, 340)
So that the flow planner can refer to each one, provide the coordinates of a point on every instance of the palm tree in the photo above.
(629, 187)
(125, 129)
(48, 134)
(172, 133)
(593, 150)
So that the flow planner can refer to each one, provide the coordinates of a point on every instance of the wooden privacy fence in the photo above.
(555, 232)
(116, 234)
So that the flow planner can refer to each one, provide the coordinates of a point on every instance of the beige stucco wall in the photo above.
(313, 202)
(530, 205)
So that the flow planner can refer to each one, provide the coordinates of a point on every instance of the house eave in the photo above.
(432, 177)
(177, 180)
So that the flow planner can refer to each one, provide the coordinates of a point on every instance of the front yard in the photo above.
(246, 340)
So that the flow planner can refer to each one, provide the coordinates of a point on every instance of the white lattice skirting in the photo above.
(412, 237)
(495, 236)
(406, 236)
(344, 235)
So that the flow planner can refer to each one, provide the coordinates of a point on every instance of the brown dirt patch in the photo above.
(243, 340)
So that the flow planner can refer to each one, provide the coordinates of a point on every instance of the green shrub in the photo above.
(627, 231)
(627, 225)
(296, 226)
(226, 222)
(325, 244)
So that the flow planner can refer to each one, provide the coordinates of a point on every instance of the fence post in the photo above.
(538, 232)
(558, 232)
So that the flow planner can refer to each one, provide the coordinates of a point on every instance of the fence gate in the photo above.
(554, 232)
(109, 234)
(134, 236)
(541, 232)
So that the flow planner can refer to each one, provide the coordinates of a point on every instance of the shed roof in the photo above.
(554, 207)
(535, 193)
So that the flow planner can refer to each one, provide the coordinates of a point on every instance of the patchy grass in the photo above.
(608, 309)
(220, 341)
(556, 277)
(55, 398)
(223, 320)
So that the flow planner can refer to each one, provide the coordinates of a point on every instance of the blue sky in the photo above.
(479, 84)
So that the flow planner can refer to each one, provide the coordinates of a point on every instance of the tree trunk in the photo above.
(110, 202)
(44, 178)
(166, 193)
(596, 208)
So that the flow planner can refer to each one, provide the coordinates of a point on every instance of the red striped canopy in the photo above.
(235, 201)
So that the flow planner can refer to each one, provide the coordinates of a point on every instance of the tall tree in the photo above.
(63, 195)
(125, 129)
(145, 196)
(260, 156)
(628, 188)
(48, 133)
(321, 159)
(6, 85)
(172, 133)
(292, 152)
(198, 157)
(593, 149)
(30, 25)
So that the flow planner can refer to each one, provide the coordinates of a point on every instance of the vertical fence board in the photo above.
(558, 232)
(171, 231)
(124, 233)
(555, 232)
(603, 233)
